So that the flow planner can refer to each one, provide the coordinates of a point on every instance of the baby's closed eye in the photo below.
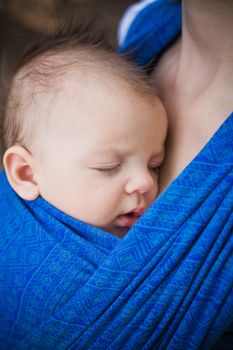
(108, 169)
(154, 168)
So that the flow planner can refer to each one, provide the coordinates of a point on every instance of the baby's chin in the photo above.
(117, 231)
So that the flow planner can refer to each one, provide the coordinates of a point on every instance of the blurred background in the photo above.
(23, 21)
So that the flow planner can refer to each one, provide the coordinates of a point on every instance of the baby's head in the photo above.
(85, 130)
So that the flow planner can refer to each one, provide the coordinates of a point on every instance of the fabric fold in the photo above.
(163, 25)
(167, 285)
(68, 285)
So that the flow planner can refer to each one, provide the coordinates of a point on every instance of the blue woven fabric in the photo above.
(156, 26)
(167, 285)
(67, 285)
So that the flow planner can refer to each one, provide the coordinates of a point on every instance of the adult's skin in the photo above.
(195, 80)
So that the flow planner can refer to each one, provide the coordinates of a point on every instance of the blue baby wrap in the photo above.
(156, 26)
(167, 285)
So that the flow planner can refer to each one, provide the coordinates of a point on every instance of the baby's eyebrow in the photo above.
(112, 151)
(159, 155)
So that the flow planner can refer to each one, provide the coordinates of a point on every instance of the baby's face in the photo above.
(100, 158)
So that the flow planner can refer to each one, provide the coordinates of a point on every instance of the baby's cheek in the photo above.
(97, 213)
(153, 194)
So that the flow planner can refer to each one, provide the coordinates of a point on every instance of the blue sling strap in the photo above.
(68, 285)
(147, 28)
(167, 285)
(156, 26)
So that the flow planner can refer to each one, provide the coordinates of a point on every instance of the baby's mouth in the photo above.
(129, 219)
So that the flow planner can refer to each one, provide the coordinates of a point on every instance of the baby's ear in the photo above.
(18, 165)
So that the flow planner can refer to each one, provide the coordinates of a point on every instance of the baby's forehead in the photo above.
(52, 80)
(54, 70)
(37, 88)
(44, 72)
(55, 74)
(39, 85)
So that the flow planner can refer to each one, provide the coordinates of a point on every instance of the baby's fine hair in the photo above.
(42, 67)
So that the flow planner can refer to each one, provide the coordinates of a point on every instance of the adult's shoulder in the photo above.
(148, 27)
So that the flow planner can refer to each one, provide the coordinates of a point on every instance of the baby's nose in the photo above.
(141, 183)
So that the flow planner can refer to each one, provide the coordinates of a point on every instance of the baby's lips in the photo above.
(130, 218)
(126, 220)
(138, 211)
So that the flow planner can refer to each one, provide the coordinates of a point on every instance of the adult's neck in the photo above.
(208, 25)
(196, 81)
(206, 47)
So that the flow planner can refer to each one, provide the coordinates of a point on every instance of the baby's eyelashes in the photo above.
(154, 168)
(108, 170)
(114, 169)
